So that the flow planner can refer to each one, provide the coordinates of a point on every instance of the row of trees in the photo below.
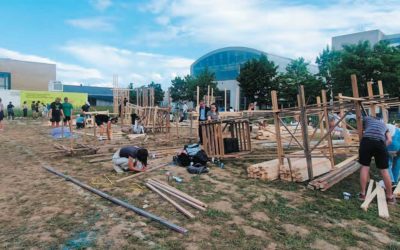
(259, 76)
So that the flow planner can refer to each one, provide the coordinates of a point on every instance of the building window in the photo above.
(5, 80)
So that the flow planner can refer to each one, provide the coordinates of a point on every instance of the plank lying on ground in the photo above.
(119, 202)
(368, 200)
(142, 173)
(382, 204)
(178, 192)
(183, 199)
(396, 192)
(176, 205)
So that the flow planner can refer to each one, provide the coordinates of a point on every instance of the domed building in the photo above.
(225, 64)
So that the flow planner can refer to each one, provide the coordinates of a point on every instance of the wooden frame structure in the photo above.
(153, 119)
(214, 132)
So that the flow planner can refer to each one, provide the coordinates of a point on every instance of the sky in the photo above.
(157, 40)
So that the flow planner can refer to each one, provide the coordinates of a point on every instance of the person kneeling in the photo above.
(130, 158)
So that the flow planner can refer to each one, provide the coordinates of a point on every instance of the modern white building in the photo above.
(225, 63)
(373, 36)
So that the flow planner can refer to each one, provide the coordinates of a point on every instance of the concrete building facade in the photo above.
(373, 36)
(23, 75)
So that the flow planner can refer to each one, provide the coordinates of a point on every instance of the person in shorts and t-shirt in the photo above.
(56, 112)
(374, 143)
(68, 110)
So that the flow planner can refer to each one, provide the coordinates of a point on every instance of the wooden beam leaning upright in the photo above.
(370, 96)
(275, 108)
(381, 95)
(354, 87)
(328, 129)
(304, 130)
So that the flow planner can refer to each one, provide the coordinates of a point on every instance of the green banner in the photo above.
(46, 97)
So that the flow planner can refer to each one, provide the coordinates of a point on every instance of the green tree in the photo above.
(257, 78)
(297, 74)
(327, 61)
(186, 88)
(132, 94)
(179, 89)
(158, 92)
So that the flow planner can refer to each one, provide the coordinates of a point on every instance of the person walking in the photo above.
(25, 109)
(1, 115)
(374, 143)
(10, 111)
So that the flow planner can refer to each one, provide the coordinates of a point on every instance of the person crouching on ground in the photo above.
(102, 120)
(130, 158)
(374, 144)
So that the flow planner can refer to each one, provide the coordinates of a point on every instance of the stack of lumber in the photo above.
(379, 192)
(339, 172)
(268, 170)
(297, 171)
(352, 139)
(163, 189)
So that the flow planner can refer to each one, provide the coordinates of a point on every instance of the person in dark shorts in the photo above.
(374, 144)
(68, 111)
(56, 112)
(130, 158)
(10, 111)
(104, 123)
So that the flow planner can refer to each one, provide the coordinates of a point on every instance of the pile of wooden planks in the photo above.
(296, 169)
(267, 171)
(163, 189)
(81, 148)
(292, 169)
(268, 132)
(379, 192)
(339, 172)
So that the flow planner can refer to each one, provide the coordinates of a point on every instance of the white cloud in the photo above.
(131, 66)
(101, 4)
(67, 73)
(96, 23)
(276, 26)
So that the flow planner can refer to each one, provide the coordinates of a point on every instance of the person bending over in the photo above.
(374, 144)
(104, 123)
(130, 158)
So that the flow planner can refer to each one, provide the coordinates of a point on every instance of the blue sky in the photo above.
(156, 40)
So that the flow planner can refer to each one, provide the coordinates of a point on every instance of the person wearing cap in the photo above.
(374, 143)
(130, 158)
(394, 154)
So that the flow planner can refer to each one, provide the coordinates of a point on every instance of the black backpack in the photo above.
(200, 157)
(197, 169)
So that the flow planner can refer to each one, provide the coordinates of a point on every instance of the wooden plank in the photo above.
(396, 192)
(370, 95)
(345, 162)
(370, 187)
(342, 175)
(183, 194)
(381, 94)
(328, 129)
(382, 204)
(369, 199)
(274, 98)
(354, 87)
(183, 199)
(350, 98)
(176, 205)
(344, 124)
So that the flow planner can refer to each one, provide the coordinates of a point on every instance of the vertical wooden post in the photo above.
(328, 129)
(383, 109)
(370, 95)
(275, 108)
(225, 99)
(198, 96)
(304, 130)
(354, 87)
(137, 97)
(344, 124)
(212, 95)
(321, 122)
(208, 96)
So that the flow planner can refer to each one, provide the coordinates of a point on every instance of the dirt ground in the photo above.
(39, 210)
